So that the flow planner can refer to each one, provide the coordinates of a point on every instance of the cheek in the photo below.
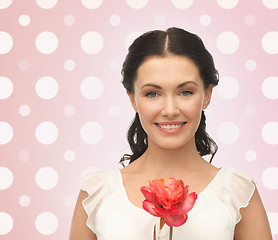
(146, 110)
(192, 109)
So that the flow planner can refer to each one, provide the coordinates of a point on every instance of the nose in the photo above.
(170, 108)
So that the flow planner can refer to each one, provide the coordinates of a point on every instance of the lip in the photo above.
(173, 130)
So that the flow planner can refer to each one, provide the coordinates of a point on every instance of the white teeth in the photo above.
(168, 127)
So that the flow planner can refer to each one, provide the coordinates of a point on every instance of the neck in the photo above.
(168, 162)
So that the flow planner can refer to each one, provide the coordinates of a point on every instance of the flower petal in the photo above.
(176, 220)
(157, 188)
(189, 202)
(167, 212)
(186, 187)
(147, 194)
(149, 207)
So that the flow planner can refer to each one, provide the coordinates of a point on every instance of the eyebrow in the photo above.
(159, 87)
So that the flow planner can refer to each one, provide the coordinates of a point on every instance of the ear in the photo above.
(132, 100)
(207, 97)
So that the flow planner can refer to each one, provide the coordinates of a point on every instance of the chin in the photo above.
(170, 145)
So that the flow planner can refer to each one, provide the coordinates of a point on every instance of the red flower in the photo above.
(168, 198)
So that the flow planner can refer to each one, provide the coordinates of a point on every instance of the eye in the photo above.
(151, 94)
(186, 93)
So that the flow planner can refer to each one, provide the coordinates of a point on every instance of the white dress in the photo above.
(111, 216)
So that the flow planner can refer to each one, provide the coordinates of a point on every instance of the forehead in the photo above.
(169, 69)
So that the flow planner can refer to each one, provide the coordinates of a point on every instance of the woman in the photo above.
(169, 77)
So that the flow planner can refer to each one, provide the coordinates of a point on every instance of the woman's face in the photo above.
(169, 96)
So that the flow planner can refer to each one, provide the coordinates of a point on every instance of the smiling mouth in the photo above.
(170, 126)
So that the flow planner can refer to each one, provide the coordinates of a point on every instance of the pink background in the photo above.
(43, 148)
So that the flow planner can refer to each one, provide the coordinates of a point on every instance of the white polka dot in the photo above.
(46, 4)
(137, 4)
(228, 133)
(227, 42)
(69, 110)
(131, 37)
(6, 178)
(270, 178)
(228, 88)
(270, 133)
(6, 133)
(69, 65)
(24, 110)
(227, 4)
(250, 155)
(6, 223)
(269, 42)
(47, 42)
(24, 65)
(6, 87)
(6, 42)
(92, 4)
(114, 110)
(46, 178)
(250, 110)
(47, 87)
(24, 200)
(205, 20)
(89, 170)
(159, 20)
(91, 87)
(272, 4)
(115, 20)
(182, 4)
(69, 20)
(23, 155)
(5, 3)
(69, 155)
(69, 201)
(250, 65)
(46, 133)
(91, 133)
(270, 87)
(24, 20)
(47, 223)
(273, 222)
(114, 65)
(91, 42)
(250, 20)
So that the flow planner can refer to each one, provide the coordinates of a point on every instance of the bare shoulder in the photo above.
(211, 169)
(254, 223)
(79, 229)
(130, 168)
(207, 171)
(131, 173)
